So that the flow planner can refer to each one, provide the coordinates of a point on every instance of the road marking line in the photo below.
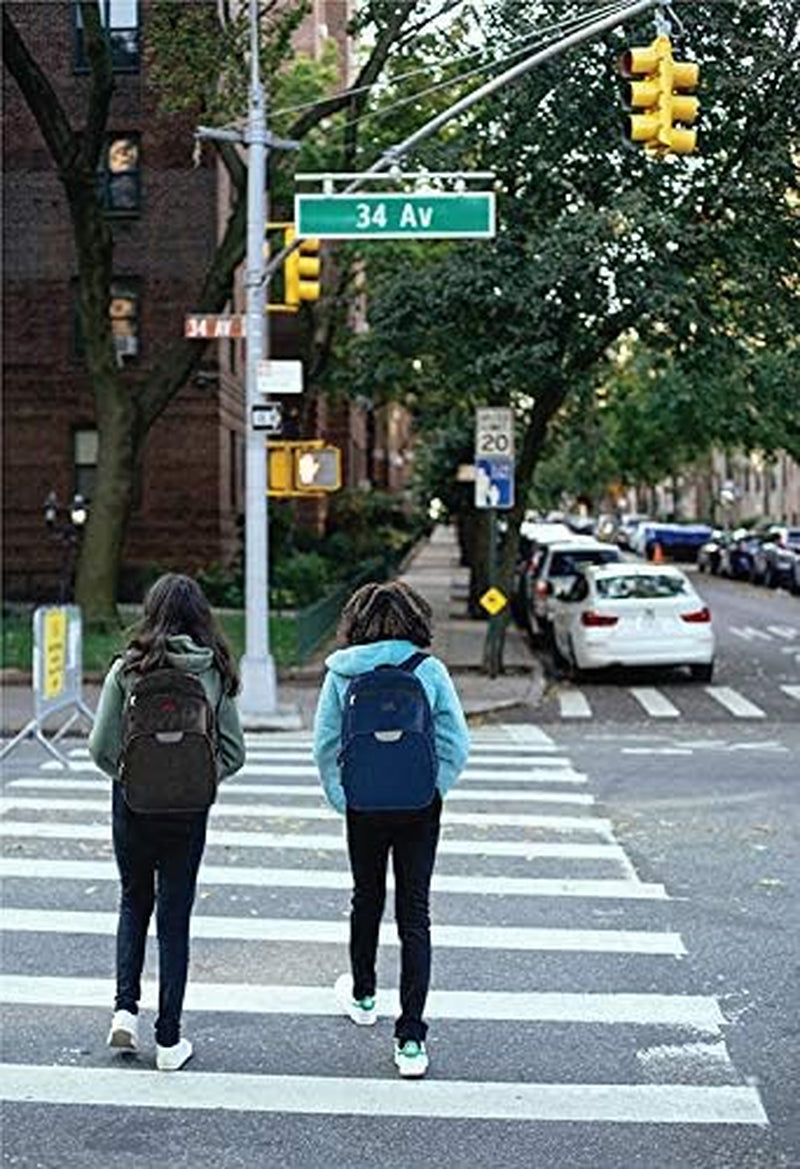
(298, 930)
(700, 1013)
(226, 809)
(792, 691)
(45, 869)
(680, 1104)
(747, 633)
(654, 702)
(656, 751)
(573, 704)
(235, 788)
(787, 632)
(735, 702)
(317, 842)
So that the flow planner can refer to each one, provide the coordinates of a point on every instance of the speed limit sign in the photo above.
(494, 432)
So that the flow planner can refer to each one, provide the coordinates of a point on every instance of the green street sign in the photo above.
(449, 215)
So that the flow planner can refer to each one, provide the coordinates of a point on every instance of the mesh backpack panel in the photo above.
(168, 760)
(388, 756)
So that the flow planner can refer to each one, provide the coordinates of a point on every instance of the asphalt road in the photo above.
(758, 660)
(616, 939)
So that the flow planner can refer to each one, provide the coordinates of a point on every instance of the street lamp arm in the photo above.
(395, 153)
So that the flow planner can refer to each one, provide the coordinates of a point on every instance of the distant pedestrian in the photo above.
(389, 743)
(158, 854)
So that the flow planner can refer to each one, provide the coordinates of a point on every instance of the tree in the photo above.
(125, 413)
(599, 244)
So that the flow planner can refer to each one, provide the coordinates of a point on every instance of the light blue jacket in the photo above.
(449, 724)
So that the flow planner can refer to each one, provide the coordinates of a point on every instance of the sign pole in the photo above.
(258, 696)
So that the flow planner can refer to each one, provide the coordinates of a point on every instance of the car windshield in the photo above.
(643, 586)
(567, 563)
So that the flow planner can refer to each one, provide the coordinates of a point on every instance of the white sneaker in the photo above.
(411, 1059)
(171, 1059)
(363, 1012)
(124, 1031)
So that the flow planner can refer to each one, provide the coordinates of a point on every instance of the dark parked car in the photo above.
(774, 558)
(736, 558)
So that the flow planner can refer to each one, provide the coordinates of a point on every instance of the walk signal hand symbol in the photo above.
(307, 468)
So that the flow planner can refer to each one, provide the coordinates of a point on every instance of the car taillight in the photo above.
(592, 620)
(697, 616)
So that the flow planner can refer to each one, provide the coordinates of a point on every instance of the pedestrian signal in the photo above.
(302, 268)
(317, 469)
(657, 97)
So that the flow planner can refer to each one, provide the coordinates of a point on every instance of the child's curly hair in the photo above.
(386, 612)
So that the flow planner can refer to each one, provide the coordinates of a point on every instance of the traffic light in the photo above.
(302, 468)
(301, 271)
(656, 95)
(317, 468)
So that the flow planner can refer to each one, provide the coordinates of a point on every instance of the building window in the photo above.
(119, 176)
(120, 18)
(124, 313)
(84, 462)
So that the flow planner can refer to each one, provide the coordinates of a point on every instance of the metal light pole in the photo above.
(258, 694)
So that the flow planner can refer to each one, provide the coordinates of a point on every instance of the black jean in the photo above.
(411, 837)
(158, 858)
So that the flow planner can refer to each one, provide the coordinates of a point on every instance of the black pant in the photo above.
(172, 847)
(412, 838)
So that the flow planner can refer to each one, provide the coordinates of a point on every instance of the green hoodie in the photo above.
(183, 654)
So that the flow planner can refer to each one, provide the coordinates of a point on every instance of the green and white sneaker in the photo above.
(411, 1058)
(363, 1012)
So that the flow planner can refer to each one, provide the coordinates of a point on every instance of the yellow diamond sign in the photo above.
(493, 601)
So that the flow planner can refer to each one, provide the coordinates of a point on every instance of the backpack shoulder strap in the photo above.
(416, 659)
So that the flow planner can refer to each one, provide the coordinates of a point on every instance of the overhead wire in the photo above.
(529, 41)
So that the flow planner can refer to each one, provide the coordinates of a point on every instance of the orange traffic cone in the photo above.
(658, 555)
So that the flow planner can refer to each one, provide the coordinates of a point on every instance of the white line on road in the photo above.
(654, 702)
(226, 809)
(656, 751)
(573, 704)
(735, 702)
(44, 869)
(792, 691)
(786, 632)
(747, 633)
(297, 930)
(235, 788)
(700, 1013)
(317, 842)
(680, 1104)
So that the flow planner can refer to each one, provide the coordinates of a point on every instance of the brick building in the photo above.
(166, 215)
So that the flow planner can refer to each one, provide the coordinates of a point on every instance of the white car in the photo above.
(559, 564)
(634, 615)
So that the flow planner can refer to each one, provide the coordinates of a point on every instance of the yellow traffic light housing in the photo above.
(302, 269)
(303, 468)
(656, 95)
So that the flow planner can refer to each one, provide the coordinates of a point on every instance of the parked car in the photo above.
(626, 527)
(709, 554)
(736, 558)
(677, 541)
(634, 615)
(774, 557)
(534, 536)
(794, 583)
(556, 567)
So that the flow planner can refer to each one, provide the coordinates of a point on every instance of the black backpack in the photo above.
(168, 759)
(388, 755)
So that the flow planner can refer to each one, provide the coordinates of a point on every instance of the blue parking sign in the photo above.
(494, 482)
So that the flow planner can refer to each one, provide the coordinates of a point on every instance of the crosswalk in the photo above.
(542, 929)
(681, 703)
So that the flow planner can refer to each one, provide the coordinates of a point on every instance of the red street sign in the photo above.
(210, 326)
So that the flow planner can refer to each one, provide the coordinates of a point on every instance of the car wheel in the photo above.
(702, 672)
(701, 565)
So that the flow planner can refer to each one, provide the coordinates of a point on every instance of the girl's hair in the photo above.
(176, 604)
(386, 612)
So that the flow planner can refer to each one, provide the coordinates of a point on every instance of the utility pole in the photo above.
(259, 692)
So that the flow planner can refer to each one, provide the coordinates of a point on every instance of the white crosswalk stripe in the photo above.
(655, 703)
(59, 825)
(734, 702)
(575, 703)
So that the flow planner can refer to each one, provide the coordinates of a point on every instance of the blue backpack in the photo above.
(388, 755)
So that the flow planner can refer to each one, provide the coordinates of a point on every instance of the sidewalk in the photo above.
(435, 572)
